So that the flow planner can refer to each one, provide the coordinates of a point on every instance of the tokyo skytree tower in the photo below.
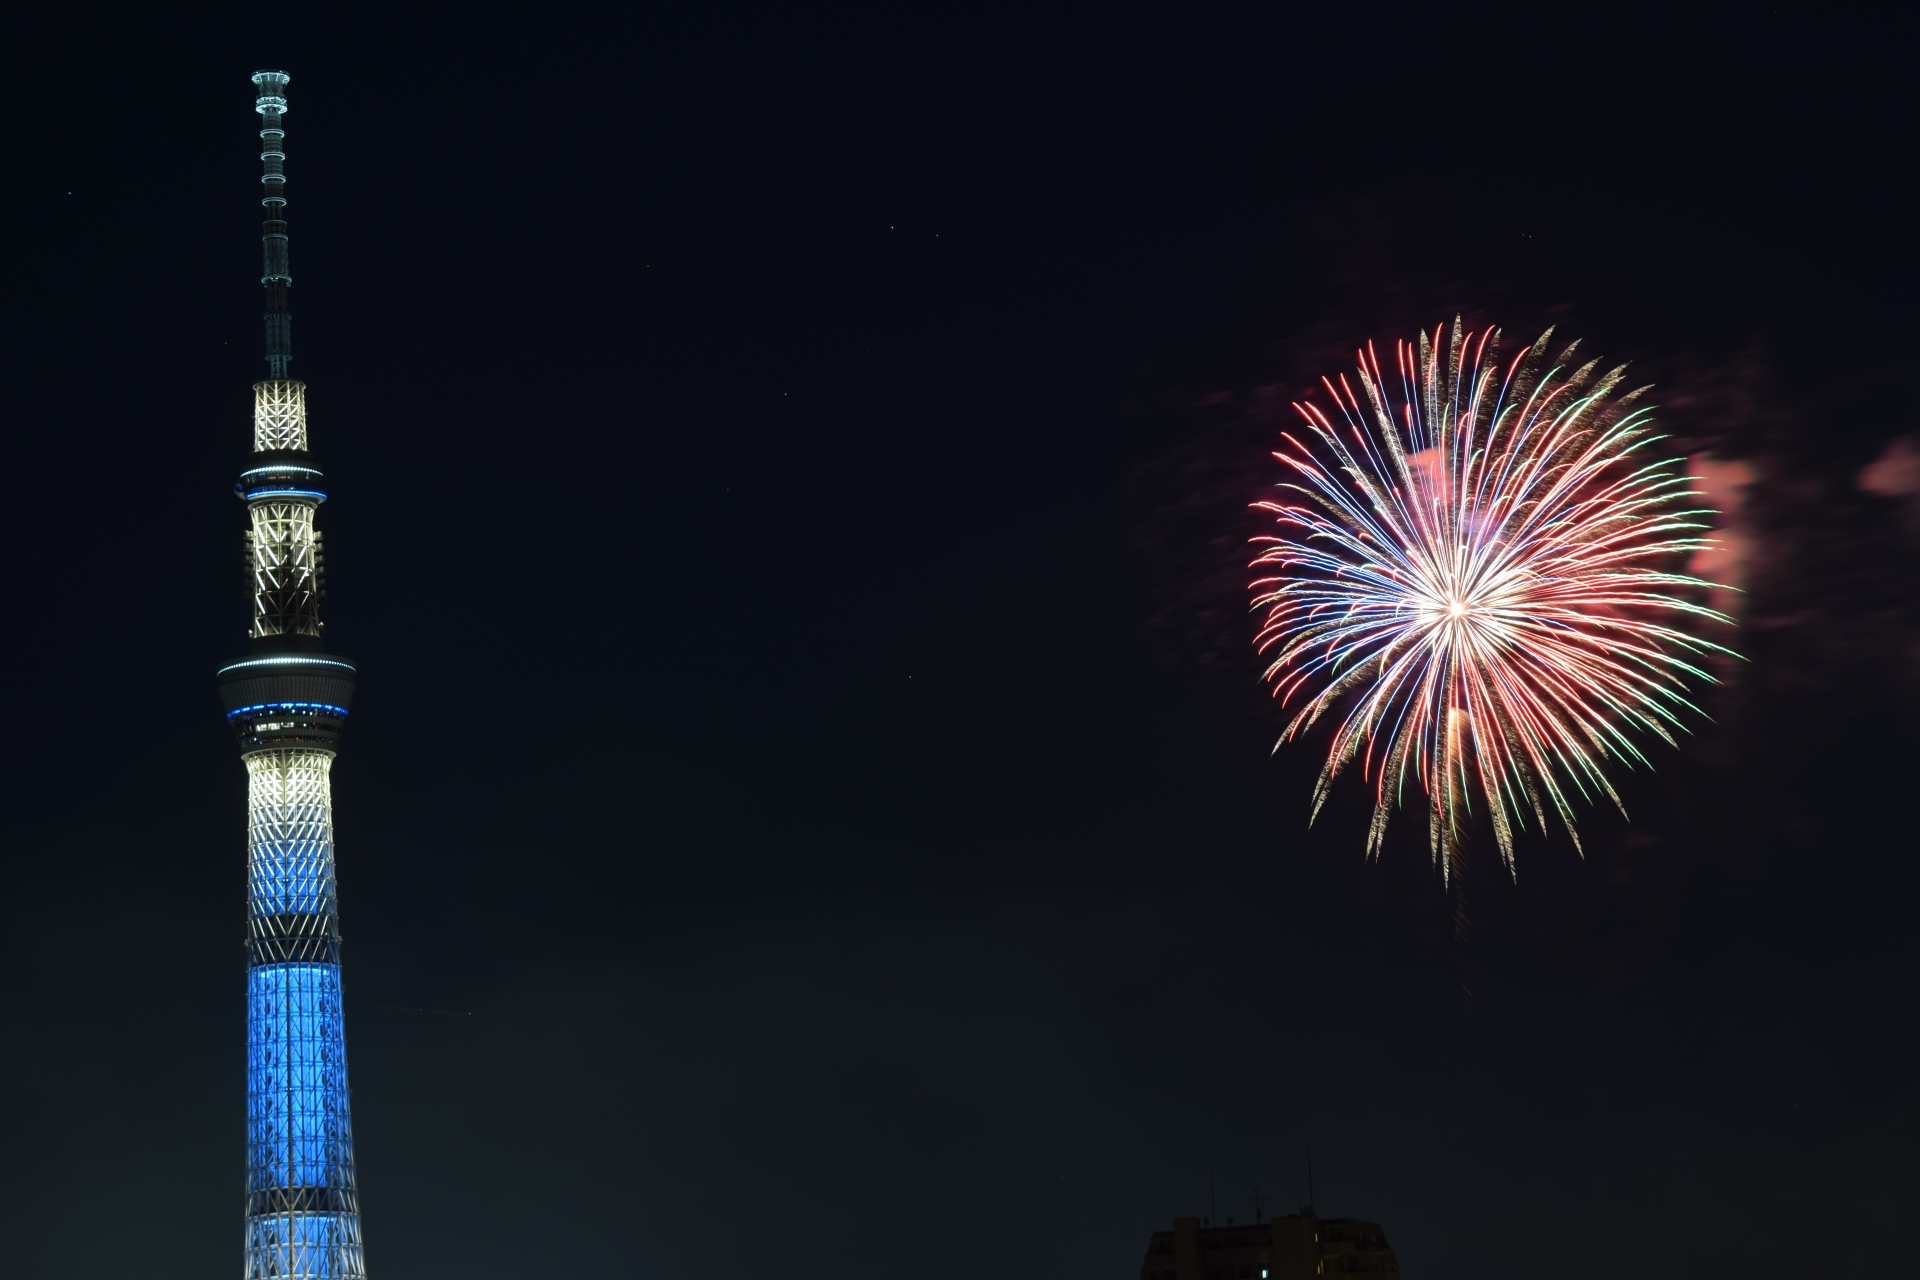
(286, 702)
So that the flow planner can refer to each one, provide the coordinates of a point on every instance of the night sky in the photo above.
(790, 512)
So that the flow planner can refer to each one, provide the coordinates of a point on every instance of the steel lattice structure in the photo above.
(279, 415)
(283, 555)
(286, 702)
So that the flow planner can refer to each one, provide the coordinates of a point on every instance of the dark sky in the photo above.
(790, 482)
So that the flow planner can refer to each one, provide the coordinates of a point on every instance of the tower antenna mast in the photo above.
(286, 702)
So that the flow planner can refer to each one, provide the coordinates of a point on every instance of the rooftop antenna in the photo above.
(1259, 1206)
(1311, 1202)
(1213, 1204)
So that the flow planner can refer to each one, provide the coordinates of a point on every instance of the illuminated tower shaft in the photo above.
(286, 702)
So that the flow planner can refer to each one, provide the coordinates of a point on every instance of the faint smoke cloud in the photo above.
(1728, 555)
(1896, 472)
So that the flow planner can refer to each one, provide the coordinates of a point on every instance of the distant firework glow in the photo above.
(1480, 573)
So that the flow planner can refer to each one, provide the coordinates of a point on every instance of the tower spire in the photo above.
(286, 703)
(272, 105)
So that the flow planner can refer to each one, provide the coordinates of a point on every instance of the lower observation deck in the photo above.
(287, 700)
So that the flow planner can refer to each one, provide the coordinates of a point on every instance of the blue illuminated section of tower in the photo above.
(286, 702)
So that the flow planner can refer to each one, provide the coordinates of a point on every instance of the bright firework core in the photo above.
(1481, 571)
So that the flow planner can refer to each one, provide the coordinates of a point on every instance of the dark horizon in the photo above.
(815, 456)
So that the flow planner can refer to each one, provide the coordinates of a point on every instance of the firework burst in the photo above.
(1480, 572)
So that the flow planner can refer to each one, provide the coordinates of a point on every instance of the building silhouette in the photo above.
(1297, 1247)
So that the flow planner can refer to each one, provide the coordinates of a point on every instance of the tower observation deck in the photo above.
(286, 701)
